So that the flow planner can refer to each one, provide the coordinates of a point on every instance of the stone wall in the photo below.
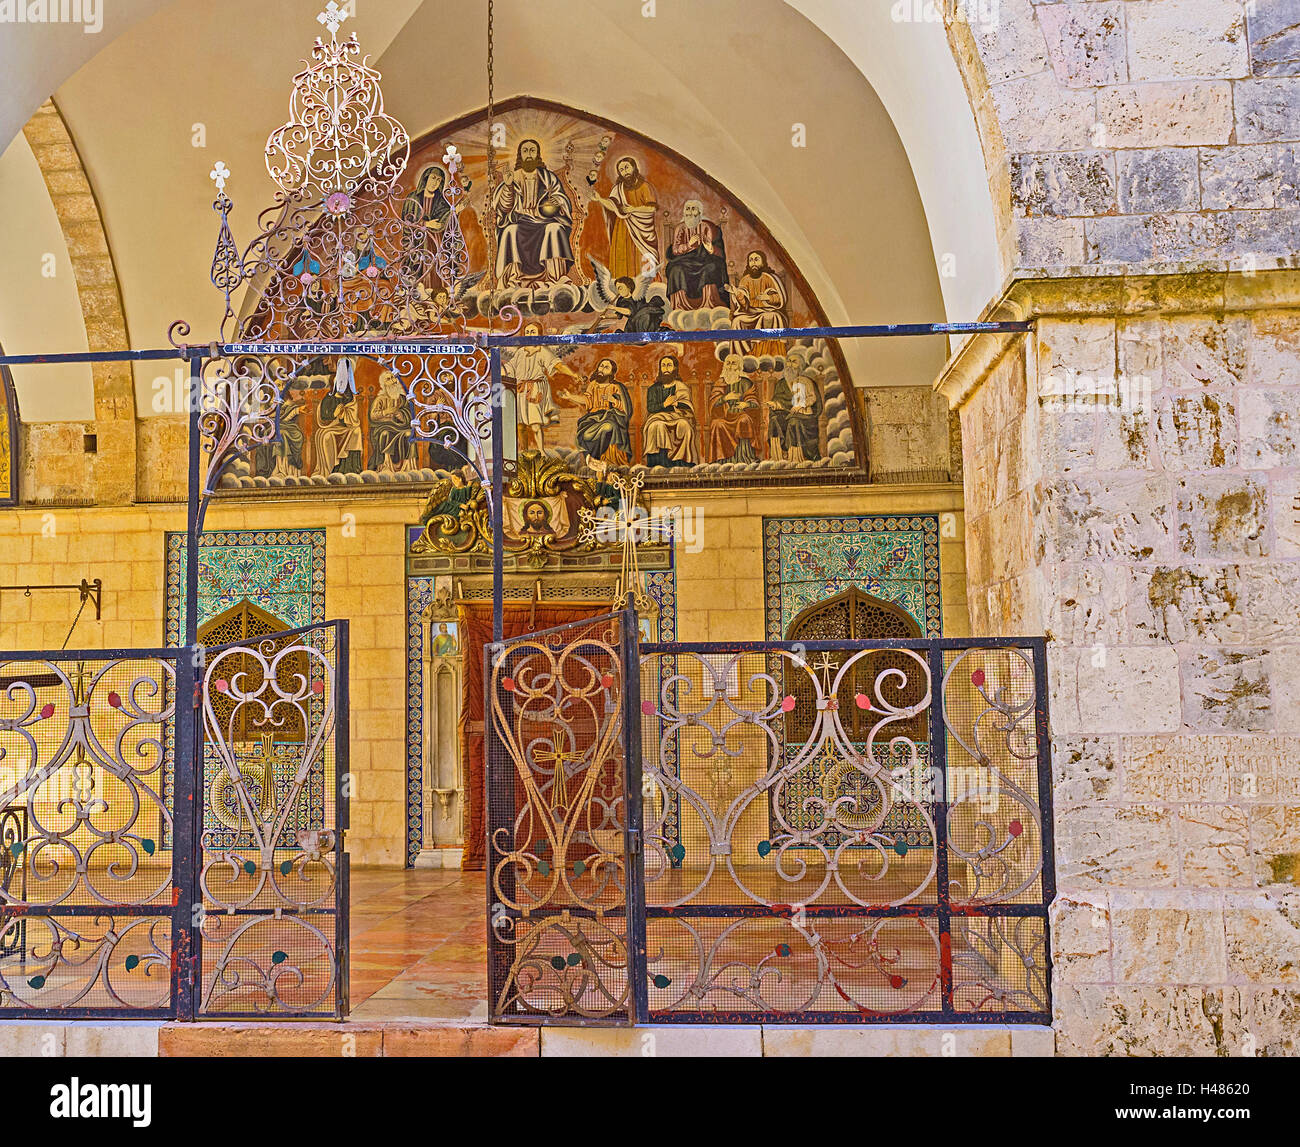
(720, 585)
(907, 434)
(364, 571)
(1137, 131)
(1132, 473)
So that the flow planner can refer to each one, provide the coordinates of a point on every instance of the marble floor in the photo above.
(418, 945)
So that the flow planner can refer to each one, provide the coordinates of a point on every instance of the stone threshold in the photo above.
(82, 1038)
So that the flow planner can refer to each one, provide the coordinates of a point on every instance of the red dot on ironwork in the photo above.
(1015, 828)
(47, 710)
(222, 686)
(787, 704)
(896, 981)
(318, 686)
(606, 681)
(115, 700)
(508, 684)
(862, 701)
(648, 708)
(977, 678)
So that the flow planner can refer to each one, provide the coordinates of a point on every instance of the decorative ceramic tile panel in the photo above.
(895, 558)
(282, 572)
(892, 557)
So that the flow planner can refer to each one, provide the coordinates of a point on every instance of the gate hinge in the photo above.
(634, 841)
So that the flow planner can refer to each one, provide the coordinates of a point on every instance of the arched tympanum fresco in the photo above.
(589, 227)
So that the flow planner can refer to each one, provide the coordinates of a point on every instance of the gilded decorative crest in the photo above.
(546, 506)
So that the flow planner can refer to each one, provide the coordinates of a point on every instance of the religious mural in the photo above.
(584, 227)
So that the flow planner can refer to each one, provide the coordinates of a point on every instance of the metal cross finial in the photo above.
(219, 174)
(631, 526)
(332, 17)
(558, 757)
(825, 667)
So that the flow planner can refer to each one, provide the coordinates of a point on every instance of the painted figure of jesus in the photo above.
(534, 219)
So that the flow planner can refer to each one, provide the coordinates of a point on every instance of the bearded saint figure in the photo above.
(733, 424)
(534, 219)
(697, 261)
(671, 432)
(758, 303)
(603, 429)
(630, 212)
(336, 442)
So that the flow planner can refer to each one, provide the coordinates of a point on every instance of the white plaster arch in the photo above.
(910, 65)
(40, 311)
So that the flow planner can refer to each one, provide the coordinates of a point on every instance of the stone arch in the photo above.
(10, 461)
(110, 476)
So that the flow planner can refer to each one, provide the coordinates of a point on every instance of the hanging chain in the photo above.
(491, 126)
(76, 619)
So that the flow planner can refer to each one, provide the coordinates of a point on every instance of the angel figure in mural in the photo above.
(531, 369)
(733, 425)
(622, 303)
(671, 433)
(758, 302)
(336, 443)
(697, 261)
(604, 429)
(446, 309)
(534, 221)
(631, 209)
(391, 447)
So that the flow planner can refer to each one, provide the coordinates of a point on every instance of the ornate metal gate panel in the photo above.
(840, 832)
(562, 813)
(89, 906)
(273, 873)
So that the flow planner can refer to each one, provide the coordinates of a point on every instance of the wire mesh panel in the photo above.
(559, 810)
(86, 884)
(810, 855)
(273, 872)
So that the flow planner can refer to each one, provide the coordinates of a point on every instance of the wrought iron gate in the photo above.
(137, 884)
(832, 832)
(563, 805)
(89, 908)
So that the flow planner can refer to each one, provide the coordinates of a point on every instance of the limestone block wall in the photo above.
(1145, 442)
(1136, 131)
(365, 583)
(907, 434)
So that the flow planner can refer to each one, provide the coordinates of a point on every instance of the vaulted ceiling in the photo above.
(169, 88)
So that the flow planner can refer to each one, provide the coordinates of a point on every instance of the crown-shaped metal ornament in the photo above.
(343, 255)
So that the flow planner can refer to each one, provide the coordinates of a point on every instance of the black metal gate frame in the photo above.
(188, 657)
(941, 911)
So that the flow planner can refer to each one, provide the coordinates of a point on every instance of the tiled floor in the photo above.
(418, 945)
